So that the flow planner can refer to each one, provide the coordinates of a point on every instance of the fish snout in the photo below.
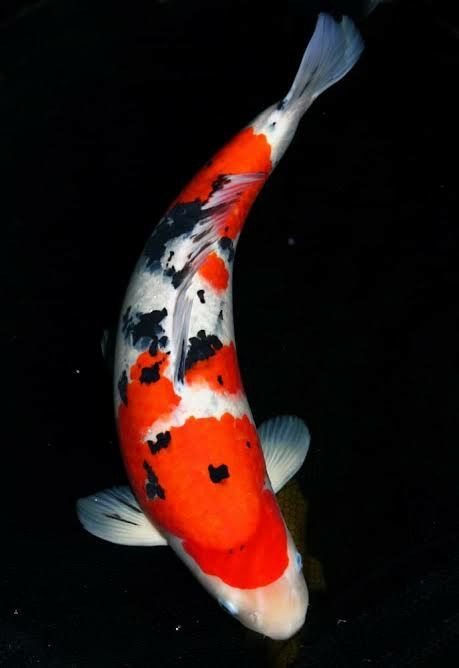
(286, 612)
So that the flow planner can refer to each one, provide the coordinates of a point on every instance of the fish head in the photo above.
(276, 610)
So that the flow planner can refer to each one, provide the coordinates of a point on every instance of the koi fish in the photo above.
(203, 479)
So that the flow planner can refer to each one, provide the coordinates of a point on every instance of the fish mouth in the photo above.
(277, 610)
(281, 610)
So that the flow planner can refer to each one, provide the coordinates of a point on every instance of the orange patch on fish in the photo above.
(246, 152)
(220, 372)
(145, 360)
(214, 271)
(213, 514)
(255, 563)
(146, 402)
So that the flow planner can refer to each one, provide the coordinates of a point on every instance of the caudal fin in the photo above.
(333, 50)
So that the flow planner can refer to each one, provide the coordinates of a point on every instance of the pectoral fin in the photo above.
(115, 515)
(285, 442)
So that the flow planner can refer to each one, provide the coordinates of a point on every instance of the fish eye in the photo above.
(228, 606)
(298, 562)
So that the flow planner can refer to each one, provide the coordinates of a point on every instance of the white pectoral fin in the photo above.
(115, 515)
(285, 443)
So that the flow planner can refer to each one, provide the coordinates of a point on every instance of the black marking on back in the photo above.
(226, 244)
(143, 325)
(220, 380)
(200, 294)
(178, 276)
(248, 444)
(150, 374)
(202, 347)
(221, 181)
(180, 219)
(157, 343)
(218, 473)
(153, 349)
(122, 388)
(152, 486)
(162, 441)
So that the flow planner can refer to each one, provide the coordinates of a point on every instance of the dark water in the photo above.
(346, 312)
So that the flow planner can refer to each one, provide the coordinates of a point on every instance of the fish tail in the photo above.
(333, 50)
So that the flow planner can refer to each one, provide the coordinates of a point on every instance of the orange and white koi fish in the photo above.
(203, 480)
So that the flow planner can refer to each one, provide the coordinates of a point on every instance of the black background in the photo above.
(346, 314)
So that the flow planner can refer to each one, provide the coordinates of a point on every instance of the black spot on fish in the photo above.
(221, 181)
(122, 388)
(281, 105)
(162, 441)
(226, 244)
(200, 294)
(171, 255)
(163, 341)
(218, 473)
(152, 486)
(144, 325)
(178, 276)
(220, 315)
(150, 374)
(153, 349)
(180, 219)
(220, 380)
(202, 347)
(247, 443)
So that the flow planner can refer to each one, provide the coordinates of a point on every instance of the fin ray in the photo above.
(333, 50)
(285, 442)
(115, 515)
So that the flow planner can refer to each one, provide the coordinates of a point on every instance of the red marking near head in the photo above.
(223, 365)
(214, 271)
(215, 514)
(245, 152)
(257, 562)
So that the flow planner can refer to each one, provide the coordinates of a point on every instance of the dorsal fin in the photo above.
(227, 190)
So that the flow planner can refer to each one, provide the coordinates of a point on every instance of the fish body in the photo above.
(200, 474)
